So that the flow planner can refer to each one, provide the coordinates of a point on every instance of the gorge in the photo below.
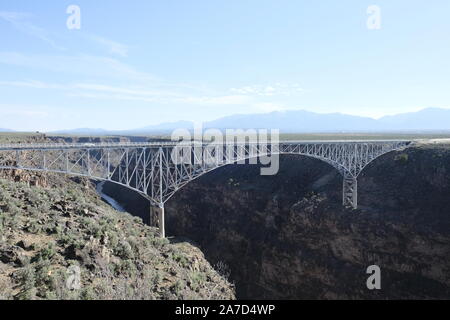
(288, 236)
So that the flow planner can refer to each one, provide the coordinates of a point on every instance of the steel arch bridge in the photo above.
(158, 170)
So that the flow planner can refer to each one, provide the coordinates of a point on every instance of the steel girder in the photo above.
(159, 170)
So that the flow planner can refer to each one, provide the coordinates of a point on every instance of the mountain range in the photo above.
(300, 121)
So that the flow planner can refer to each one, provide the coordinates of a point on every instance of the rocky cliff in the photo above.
(49, 235)
(288, 236)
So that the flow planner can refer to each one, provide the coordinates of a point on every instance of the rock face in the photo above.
(288, 236)
(46, 234)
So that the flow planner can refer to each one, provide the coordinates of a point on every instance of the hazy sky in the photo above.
(140, 62)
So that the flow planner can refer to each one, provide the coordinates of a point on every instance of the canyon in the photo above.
(288, 236)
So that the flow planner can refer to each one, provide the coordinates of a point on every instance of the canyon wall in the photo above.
(288, 236)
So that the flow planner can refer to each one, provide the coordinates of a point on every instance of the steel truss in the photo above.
(159, 170)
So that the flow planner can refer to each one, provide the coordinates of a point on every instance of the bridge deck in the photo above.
(103, 145)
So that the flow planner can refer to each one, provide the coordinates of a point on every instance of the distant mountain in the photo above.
(298, 121)
(83, 131)
(431, 119)
(426, 119)
(164, 127)
(6, 130)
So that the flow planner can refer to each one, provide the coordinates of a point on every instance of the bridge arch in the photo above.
(336, 166)
(148, 169)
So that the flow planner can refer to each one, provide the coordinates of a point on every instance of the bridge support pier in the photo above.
(157, 219)
(350, 191)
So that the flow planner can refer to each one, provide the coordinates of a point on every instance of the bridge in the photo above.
(157, 170)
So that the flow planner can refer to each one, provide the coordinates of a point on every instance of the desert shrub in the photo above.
(53, 227)
(12, 218)
(178, 287)
(44, 207)
(124, 250)
(138, 220)
(180, 258)
(128, 268)
(156, 278)
(13, 206)
(87, 223)
(46, 253)
(50, 282)
(43, 272)
(34, 198)
(4, 194)
(34, 212)
(112, 239)
(159, 242)
(88, 293)
(197, 279)
(34, 226)
(70, 237)
(27, 279)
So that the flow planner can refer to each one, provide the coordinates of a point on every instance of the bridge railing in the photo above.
(34, 146)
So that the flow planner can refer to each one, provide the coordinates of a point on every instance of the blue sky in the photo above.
(136, 63)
